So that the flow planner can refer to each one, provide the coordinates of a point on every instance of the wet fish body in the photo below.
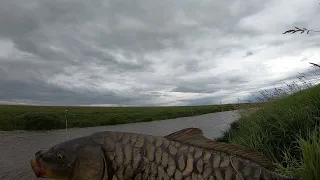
(185, 154)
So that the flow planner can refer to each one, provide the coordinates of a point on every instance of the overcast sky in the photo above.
(151, 52)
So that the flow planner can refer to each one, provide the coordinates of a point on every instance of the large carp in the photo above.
(185, 154)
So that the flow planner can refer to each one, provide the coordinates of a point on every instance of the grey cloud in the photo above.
(200, 101)
(249, 53)
(35, 90)
(43, 93)
(237, 80)
(141, 51)
(15, 21)
(304, 59)
(210, 85)
(127, 25)
(194, 89)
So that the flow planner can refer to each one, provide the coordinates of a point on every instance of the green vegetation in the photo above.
(286, 128)
(14, 117)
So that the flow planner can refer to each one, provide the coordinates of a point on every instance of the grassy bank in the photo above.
(14, 117)
(286, 129)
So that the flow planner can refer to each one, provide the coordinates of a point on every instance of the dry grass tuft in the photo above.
(301, 30)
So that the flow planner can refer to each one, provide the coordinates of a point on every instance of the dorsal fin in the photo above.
(185, 132)
(194, 136)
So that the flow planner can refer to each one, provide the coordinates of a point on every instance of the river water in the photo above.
(18, 147)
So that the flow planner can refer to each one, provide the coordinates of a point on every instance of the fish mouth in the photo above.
(38, 168)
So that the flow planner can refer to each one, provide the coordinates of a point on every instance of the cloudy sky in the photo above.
(150, 52)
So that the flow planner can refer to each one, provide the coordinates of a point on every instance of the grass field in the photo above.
(13, 117)
(286, 129)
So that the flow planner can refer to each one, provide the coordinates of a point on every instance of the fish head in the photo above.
(76, 160)
(56, 163)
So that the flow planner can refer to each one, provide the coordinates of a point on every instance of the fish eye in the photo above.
(60, 155)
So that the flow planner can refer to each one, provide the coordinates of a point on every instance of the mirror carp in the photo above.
(184, 154)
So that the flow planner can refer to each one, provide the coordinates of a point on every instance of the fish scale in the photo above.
(185, 154)
(167, 159)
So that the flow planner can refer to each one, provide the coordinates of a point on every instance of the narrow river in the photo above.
(17, 147)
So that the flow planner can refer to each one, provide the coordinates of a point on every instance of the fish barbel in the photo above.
(184, 154)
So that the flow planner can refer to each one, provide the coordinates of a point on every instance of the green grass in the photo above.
(14, 117)
(286, 129)
(310, 163)
(307, 167)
